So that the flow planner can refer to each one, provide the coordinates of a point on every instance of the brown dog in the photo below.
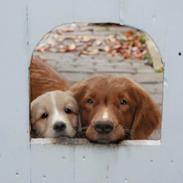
(115, 108)
(43, 78)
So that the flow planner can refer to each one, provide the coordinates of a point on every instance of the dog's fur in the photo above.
(118, 101)
(52, 109)
(43, 78)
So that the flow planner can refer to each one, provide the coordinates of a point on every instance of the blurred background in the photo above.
(79, 50)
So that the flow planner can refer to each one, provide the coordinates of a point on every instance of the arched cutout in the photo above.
(73, 52)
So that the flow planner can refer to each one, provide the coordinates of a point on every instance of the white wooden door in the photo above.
(23, 23)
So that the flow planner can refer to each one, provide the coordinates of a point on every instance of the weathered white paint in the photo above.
(22, 25)
(14, 113)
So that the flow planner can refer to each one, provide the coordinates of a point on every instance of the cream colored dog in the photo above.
(54, 114)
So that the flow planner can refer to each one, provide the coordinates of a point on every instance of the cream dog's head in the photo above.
(54, 114)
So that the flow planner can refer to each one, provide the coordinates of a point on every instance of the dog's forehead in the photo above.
(108, 85)
(54, 100)
(49, 99)
(63, 98)
(43, 101)
(109, 81)
(60, 96)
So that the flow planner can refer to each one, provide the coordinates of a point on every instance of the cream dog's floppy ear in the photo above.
(79, 120)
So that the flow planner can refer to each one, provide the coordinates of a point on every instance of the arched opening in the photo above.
(72, 53)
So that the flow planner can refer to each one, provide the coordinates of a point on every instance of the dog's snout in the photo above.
(59, 126)
(104, 126)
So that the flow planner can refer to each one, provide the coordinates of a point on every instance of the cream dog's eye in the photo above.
(90, 101)
(44, 115)
(67, 110)
(123, 101)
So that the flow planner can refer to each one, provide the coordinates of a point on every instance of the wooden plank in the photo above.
(154, 54)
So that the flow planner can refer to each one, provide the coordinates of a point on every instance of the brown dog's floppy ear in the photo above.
(78, 89)
(147, 116)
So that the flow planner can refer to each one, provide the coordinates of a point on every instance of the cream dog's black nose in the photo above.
(59, 126)
(104, 126)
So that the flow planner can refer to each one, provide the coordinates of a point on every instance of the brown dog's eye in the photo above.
(123, 101)
(44, 115)
(90, 101)
(67, 110)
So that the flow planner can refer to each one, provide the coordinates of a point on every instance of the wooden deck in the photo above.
(75, 68)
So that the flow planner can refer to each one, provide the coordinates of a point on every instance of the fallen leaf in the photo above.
(42, 47)
(71, 47)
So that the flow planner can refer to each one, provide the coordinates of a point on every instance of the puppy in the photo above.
(54, 114)
(115, 108)
(44, 78)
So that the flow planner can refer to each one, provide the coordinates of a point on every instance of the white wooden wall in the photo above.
(23, 23)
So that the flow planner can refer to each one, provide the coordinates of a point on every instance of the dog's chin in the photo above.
(113, 137)
(59, 135)
(104, 139)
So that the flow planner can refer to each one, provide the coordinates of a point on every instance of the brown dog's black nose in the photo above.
(104, 126)
(59, 126)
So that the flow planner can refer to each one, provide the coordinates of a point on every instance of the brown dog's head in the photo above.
(114, 108)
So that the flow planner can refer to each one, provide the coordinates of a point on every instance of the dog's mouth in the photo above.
(116, 135)
(57, 135)
(104, 138)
